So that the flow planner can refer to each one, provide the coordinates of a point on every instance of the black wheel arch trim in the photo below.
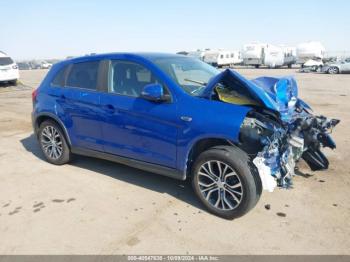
(53, 117)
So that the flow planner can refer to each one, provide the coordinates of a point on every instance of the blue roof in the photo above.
(144, 55)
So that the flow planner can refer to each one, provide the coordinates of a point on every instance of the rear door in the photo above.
(81, 97)
(134, 127)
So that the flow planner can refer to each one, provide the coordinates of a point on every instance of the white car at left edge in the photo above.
(8, 69)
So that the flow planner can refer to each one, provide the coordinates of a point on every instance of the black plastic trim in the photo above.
(55, 118)
(149, 167)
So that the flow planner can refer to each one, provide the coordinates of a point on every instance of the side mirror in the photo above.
(155, 93)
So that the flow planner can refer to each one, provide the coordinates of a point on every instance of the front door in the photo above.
(134, 127)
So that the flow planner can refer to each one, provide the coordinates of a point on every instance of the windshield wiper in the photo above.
(195, 81)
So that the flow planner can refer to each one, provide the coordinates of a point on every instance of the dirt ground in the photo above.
(93, 206)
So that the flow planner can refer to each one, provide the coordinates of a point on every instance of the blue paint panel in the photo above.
(136, 128)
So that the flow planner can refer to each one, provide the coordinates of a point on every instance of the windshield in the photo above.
(6, 61)
(191, 74)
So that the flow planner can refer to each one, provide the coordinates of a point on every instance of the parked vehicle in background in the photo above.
(309, 50)
(220, 58)
(273, 56)
(45, 65)
(290, 56)
(8, 69)
(35, 64)
(259, 54)
(180, 117)
(337, 67)
(313, 64)
(24, 66)
(253, 54)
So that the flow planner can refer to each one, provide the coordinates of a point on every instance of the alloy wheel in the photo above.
(51, 142)
(333, 70)
(220, 185)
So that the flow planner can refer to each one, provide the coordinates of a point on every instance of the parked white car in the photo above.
(337, 67)
(45, 65)
(8, 69)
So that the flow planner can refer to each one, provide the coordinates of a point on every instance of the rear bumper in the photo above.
(8, 75)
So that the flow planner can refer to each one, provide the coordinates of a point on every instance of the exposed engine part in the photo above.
(278, 147)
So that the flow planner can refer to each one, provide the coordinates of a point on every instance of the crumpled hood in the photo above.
(277, 94)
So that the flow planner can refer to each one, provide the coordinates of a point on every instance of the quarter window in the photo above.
(60, 77)
(128, 78)
(83, 75)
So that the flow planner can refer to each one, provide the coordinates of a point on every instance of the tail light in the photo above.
(34, 95)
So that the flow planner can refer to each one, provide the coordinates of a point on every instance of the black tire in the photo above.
(65, 155)
(13, 83)
(249, 179)
(289, 65)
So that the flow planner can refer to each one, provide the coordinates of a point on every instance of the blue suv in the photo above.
(180, 117)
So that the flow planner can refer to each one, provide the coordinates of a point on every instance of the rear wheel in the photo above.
(333, 70)
(226, 182)
(53, 143)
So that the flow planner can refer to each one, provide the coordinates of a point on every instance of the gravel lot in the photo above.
(97, 207)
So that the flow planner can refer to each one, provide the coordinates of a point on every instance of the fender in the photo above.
(194, 142)
(54, 117)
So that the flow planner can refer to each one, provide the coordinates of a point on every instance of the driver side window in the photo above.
(129, 78)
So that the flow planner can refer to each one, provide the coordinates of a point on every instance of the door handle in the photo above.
(62, 96)
(186, 118)
(109, 108)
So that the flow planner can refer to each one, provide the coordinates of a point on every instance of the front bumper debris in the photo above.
(301, 138)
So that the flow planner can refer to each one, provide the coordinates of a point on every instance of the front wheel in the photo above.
(226, 182)
(333, 70)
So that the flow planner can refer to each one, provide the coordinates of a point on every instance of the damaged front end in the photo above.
(278, 141)
(279, 130)
(277, 146)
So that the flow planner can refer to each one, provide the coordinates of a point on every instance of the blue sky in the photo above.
(56, 29)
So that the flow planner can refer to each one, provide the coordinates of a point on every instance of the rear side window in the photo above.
(5, 61)
(60, 77)
(83, 75)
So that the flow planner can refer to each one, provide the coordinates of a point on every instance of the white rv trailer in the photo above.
(252, 54)
(310, 50)
(222, 58)
(290, 56)
(259, 54)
